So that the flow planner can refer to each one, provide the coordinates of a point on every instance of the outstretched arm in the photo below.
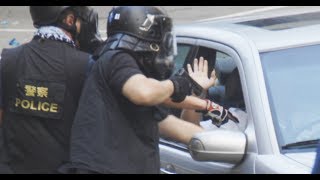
(178, 129)
(200, 75)
(218, 114)
(147, 91)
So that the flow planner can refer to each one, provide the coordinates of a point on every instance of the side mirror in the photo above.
(218, 145)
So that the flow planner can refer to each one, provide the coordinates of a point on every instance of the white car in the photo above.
(278, 59)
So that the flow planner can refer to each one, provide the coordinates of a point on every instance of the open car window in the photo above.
(227, 92)
(184, 51)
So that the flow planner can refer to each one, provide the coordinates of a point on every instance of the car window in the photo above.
(208, 54)
(292, 77)
(173, 153)
(228, 84)
(183, 52)
(230, 97)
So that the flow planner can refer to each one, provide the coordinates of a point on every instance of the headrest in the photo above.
(233, 90)
(233, 86)
(223, 67)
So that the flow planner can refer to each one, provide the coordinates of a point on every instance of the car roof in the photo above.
(268, 31)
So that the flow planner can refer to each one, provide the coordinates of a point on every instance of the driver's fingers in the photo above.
(195, 65)
(189, 68)
(205, 67)
(201, 64)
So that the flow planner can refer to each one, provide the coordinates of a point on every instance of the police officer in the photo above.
(89, 37)
(41, 86)
(116, 125)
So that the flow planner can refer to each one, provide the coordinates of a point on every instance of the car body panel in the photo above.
(281, 164)
(306, 158)
(244, 44)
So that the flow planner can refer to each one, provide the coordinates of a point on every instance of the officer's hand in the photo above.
(218, 114)
(182, 88)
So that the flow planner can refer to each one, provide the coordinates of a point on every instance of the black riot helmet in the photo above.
(144, 22)
(89, 37)
(52, 15)
(45, 15)
(147, 30)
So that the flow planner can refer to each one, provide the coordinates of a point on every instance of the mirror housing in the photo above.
(218, 145)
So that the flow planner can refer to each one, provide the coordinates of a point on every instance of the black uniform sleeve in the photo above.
(161, 112)
(122, 67)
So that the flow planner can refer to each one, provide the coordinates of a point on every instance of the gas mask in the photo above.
(147, 32)
(89, 37)
(162, 62)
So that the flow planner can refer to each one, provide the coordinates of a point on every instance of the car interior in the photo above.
(226, 92)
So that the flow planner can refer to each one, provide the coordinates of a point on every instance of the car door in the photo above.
(175, 157)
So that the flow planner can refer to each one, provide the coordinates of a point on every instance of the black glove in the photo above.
(182, 88)
(218, 114)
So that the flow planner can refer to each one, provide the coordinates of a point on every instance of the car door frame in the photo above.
(183, 162)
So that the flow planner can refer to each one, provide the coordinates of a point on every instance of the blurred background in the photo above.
(16, 26)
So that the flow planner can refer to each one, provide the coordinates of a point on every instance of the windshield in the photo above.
(293, 84)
